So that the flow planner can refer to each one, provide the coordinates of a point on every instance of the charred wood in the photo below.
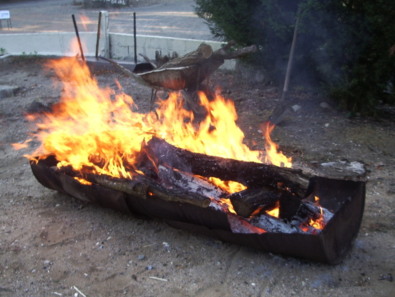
(272, 224)
(188, 182)
(310, 218)
(248, 173)
(142, 187)
(309, 211)
(289, 206)
(248, 201)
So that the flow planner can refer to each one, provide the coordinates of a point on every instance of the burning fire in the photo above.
(100, 128)
(100, 131)
(318, 223)
(273, 155)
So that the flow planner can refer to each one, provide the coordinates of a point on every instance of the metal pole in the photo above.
(78, 37)
(290, 59)
(98, 35)
(278, 113)
(135, 38)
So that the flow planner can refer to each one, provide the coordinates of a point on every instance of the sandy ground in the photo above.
(54, 245)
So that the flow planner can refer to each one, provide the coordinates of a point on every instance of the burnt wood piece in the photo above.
(289, 206)
(274, 225)
(189, 182)
(140, 186)
(248, 173)
(248, 201)
(307, 212)
(301, 222)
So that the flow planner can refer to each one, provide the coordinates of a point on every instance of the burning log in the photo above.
(248, 201)
(248, 173)
(145, 188)
(309, 218)
(189, 182)
(142, 187)
(310, 211)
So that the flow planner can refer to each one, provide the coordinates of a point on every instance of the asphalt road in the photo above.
(171, 18)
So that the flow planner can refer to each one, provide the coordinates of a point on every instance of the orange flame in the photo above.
(275, 212)
(21, 145)
(273, 155)
(99, 129)
(317, 223)
(82, 181)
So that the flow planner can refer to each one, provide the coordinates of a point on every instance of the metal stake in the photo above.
(135, 38)
(98, 35)
(78, 37)
(279, 111)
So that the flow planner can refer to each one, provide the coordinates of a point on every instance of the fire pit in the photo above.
(97, 148)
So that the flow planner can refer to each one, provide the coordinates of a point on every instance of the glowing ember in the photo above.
(228, 186)
(318, 223)
(99, 129)
(275, 212)
(82, 181)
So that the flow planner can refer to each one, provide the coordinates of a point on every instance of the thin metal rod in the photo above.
(78, 37)
(279, 111)
(135, 37)
(98, 35)
(291, 58)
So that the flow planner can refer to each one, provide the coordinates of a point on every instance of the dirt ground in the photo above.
(54, 245)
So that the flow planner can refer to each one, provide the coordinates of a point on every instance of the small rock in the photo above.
(141, 257)
(296, 107)
(387, 277)
(166, 246)
(8, 91)
(37, 107)
(325, 105)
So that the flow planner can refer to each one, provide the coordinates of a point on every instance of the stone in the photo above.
(7, 91)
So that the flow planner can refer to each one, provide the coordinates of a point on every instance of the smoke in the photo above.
(320, 58)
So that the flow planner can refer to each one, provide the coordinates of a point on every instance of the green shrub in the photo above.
(345, 47)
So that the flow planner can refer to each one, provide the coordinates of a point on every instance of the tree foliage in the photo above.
(346, 47)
